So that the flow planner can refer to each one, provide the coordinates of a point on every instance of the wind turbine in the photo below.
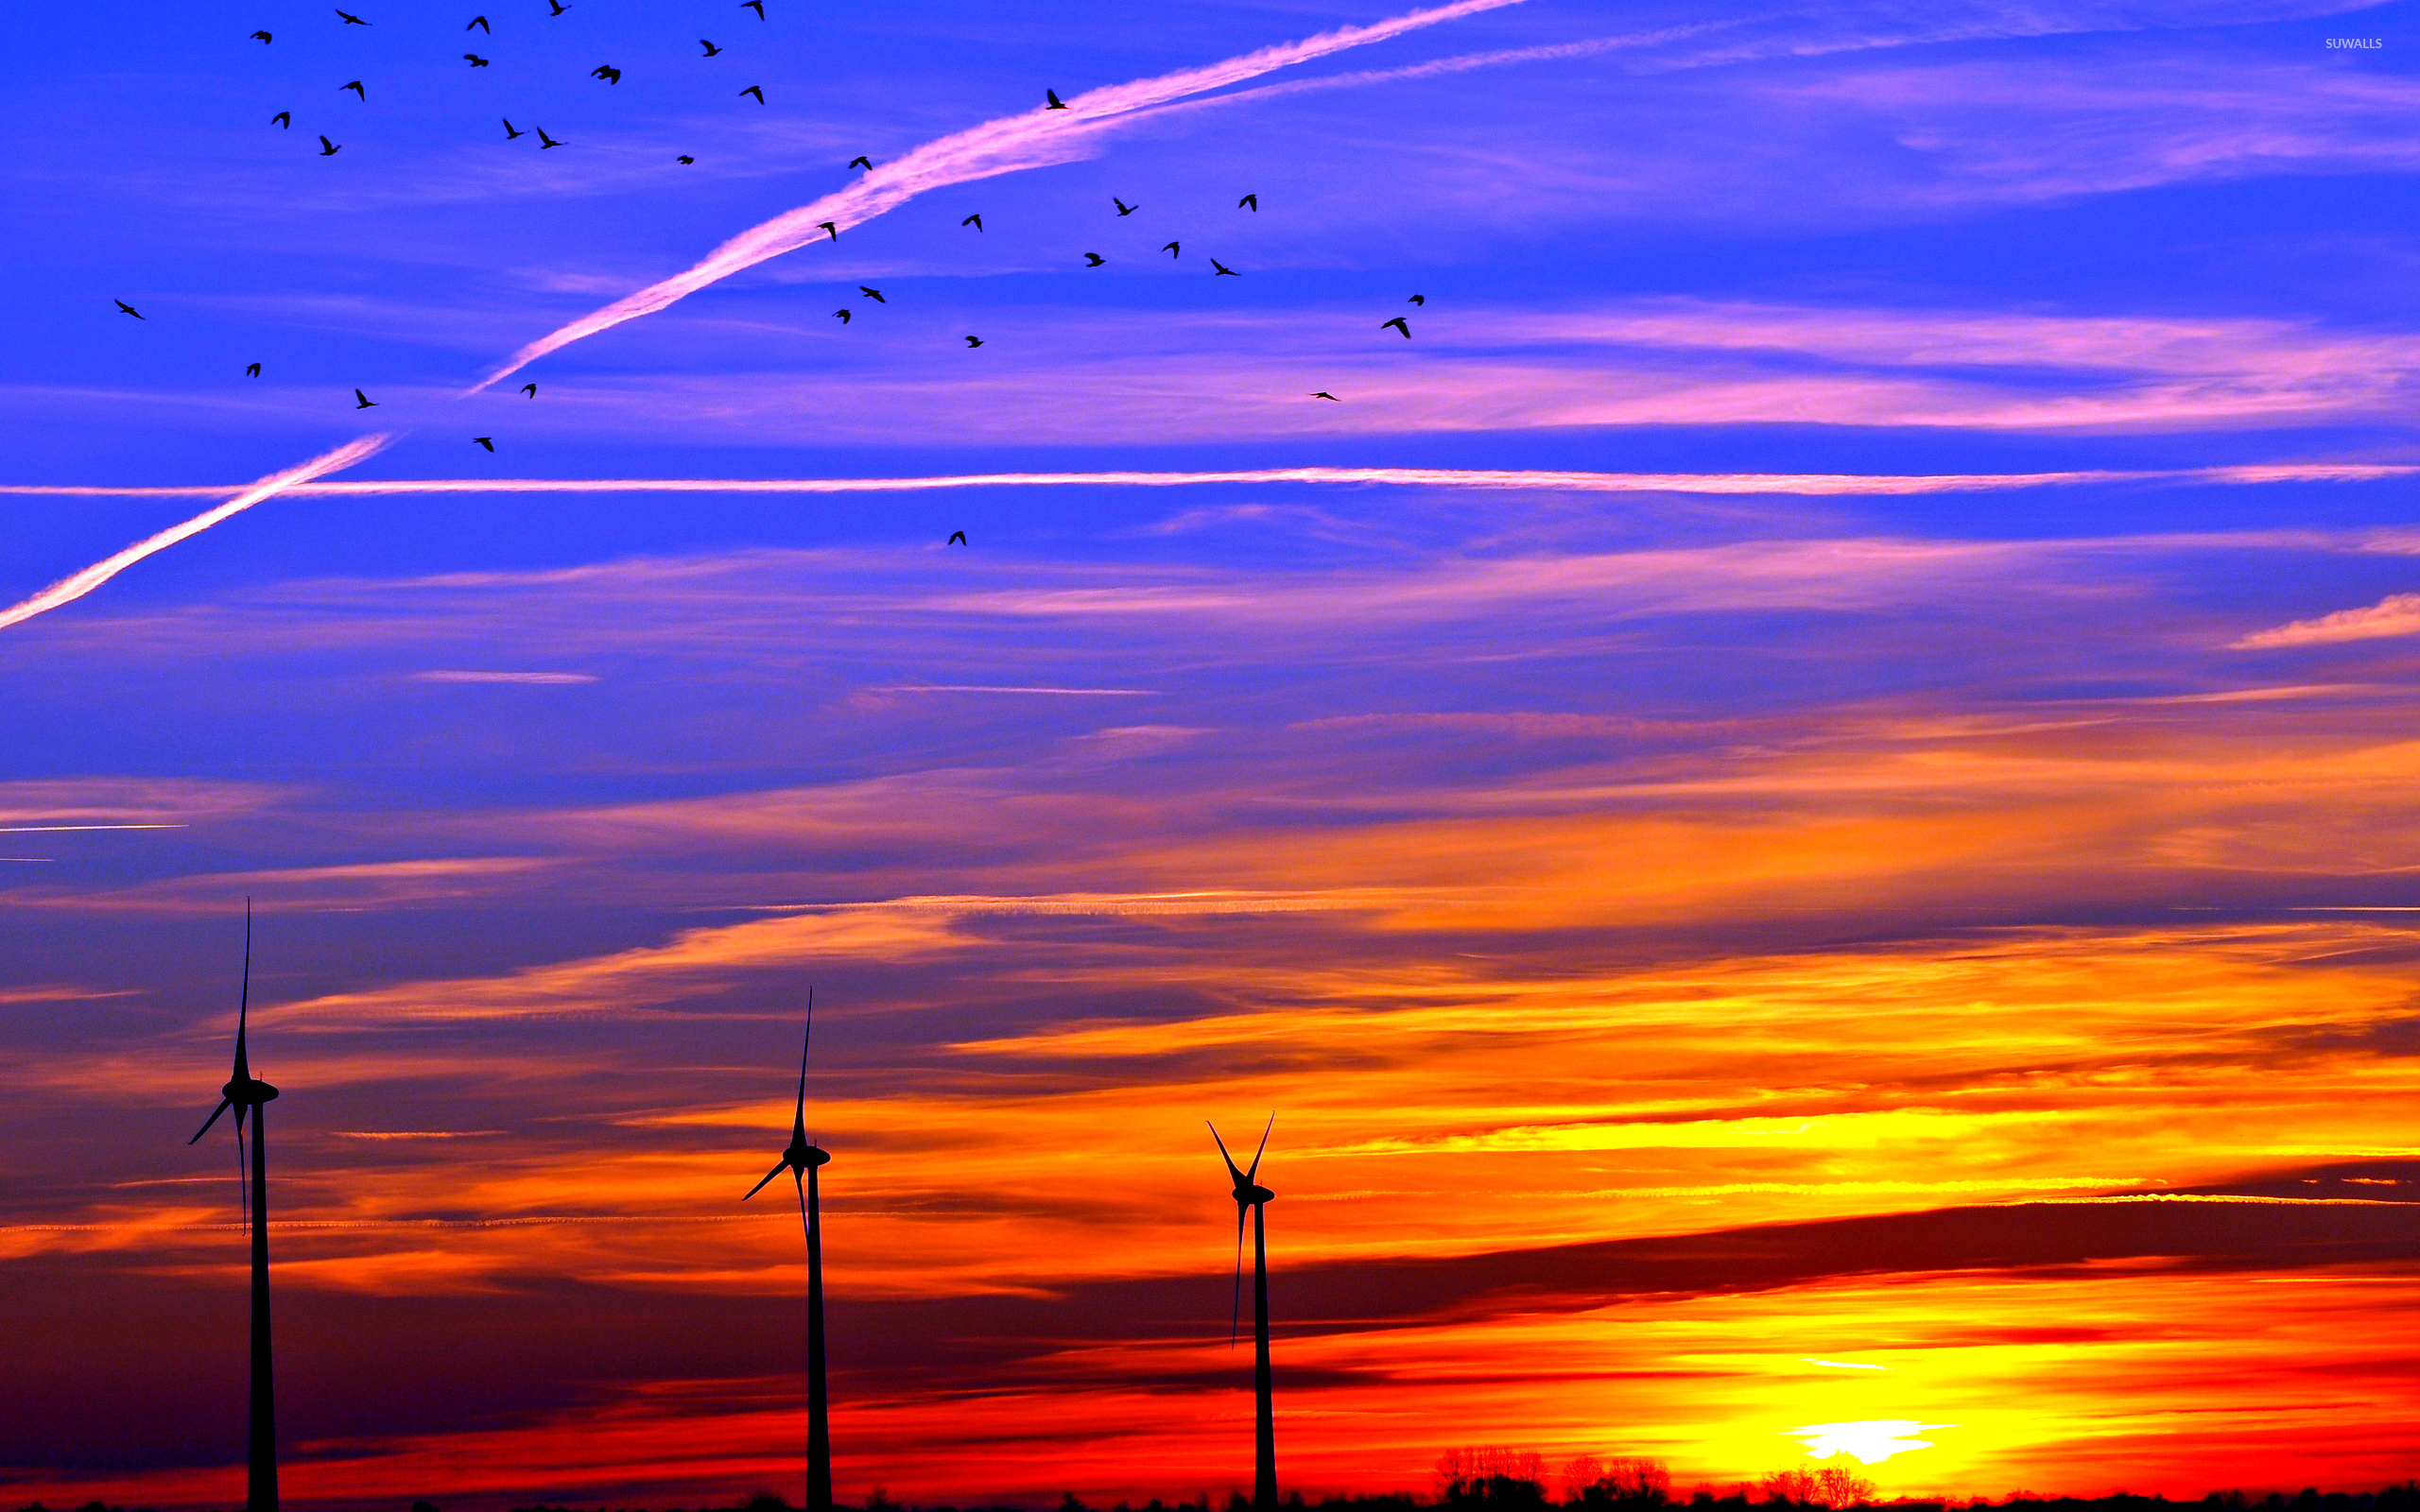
(802, 1159)
(246, 1094)
(1251, 1195)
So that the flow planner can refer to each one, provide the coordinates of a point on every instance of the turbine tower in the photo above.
(802, 1159)
(246, 1094)
(1253, 1198)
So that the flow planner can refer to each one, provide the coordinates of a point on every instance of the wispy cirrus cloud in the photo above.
(2398, 614)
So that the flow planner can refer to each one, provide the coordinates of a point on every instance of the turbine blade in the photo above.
(224, 1104)
(1236, 1315)
(798, 1121)
(1263, 1145)
(244, 1002)
(769, 1175)
(1225, 1155)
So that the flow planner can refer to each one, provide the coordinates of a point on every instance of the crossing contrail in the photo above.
(75, 585)
(1035, 139)
(1868, 483)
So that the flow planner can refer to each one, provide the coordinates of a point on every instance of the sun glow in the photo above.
(1870, 1442)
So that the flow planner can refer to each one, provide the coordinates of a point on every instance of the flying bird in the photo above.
(971, 342)
(285, 118)
(862, 162)
(1123, 208)
(559, 7)
(531, 389)
(1221, 269)
(510, 133)
(1056, 103)
(1250, 202)
(128, 309)
(1417, 298)
(362, 400)
(1398, 323)
(710, 47)
(355, 87)
(756, 90)
(606, 72)
(976, 222)
(1324, 394)
(828, 227)
(873, 293)
(544, 141)
(957, 538)
(352, 20)
(842, 315)
(262, 35)
(481, 22)
(684, 158)
(1093, 259)
(488, 441)
(252, 369)
(477, 61)
(1172, 250)
(328, 148)
(758, 6)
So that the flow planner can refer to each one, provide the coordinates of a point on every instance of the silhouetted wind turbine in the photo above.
(245, 1092)
(1252, 1196)
(802, 1159)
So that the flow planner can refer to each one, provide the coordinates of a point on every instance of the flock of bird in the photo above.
(611, 74)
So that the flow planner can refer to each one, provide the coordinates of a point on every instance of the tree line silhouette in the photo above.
(1500, 1478)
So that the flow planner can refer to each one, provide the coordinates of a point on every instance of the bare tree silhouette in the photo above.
(1832, 1486)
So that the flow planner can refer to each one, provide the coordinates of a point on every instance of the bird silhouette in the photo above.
(284, 118)
(684, 158)
(1123, 208)
(1250, 202)
(756, 90)
(355, 87)
(477, 61)
(544, 141)
(710, 47)
(1398, 323)
(873, 293)
(758, 6)
(1324, 394)
(252, 369)
(971, 342)
(862, 162)
(510, 135)
(352, 20)
(606, 72)
(1219, 269)
(1093, 259)
(829, 228)
(481, 22)
(1172, 250)
(531, 389)
(328, 148)
(1056, 104)
(1417, 298)
(128, 309)
(842, 315)
(559, 7)
(488, 441)
(362, 400)
(957, 538)
(262, 35)
(976, 222)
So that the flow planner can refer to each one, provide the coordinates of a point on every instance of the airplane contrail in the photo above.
(75, 585)
(1872, 484)
(1036, 139)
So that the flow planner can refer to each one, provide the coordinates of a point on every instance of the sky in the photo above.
(1798, 798)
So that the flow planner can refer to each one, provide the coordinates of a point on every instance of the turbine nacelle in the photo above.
(1249, 1196)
